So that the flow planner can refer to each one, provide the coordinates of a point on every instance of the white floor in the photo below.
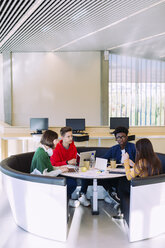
(85, 231)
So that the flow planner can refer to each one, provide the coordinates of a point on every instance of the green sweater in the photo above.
(41, 161)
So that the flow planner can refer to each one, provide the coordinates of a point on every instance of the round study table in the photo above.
(95, 174)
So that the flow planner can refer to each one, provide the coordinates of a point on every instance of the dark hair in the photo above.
(120, 130)
(48, 137)
(64, 130)
(150, 161)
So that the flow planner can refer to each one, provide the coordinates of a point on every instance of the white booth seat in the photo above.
(147, 208)
(38, 203)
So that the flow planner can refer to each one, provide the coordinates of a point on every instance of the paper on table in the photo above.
(93, 173)
(101, 163)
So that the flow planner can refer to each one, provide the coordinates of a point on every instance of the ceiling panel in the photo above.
(11, 12)
(77, 25)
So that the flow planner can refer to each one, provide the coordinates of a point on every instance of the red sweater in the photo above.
(61, 154)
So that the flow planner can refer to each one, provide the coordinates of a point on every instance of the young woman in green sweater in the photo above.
(41, 162)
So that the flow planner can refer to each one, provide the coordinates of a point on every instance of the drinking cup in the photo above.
(86, 163)
(113, 163)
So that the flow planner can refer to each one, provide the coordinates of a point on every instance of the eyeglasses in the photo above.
(120, 137)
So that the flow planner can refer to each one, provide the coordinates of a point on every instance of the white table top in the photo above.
(95, 173)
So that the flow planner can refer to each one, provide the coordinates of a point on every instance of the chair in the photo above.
(147, 215)
(38, 203)
(80, 138)
(131, 137)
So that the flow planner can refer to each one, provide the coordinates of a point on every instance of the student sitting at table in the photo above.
(41, 163)
(65, 154)
(123, 146)
(146, 164)
(116, 152)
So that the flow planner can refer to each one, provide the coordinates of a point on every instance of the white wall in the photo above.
(1, 90)
(56, 85)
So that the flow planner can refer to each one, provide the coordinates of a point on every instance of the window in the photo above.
(137, 90)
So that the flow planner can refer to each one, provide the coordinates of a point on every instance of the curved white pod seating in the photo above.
(38, 203)
(147, 207)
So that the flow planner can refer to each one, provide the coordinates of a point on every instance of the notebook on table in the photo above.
(72, 168)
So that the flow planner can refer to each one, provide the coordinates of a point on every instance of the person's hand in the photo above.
(64, 169)
(72, 161)
(125, 156)
(131, 163)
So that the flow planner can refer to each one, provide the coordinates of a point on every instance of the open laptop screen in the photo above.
(84, 155)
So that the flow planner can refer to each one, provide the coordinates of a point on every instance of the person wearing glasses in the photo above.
(116, 152)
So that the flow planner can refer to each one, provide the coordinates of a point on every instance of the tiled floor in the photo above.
(85, 231)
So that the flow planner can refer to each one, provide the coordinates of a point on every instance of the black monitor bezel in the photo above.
(118, 121)
(68, 124)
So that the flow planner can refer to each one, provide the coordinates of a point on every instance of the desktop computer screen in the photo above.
(76, 124)
(38, 124)
(119, 122)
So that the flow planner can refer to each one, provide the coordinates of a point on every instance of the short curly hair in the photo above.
(120, 130)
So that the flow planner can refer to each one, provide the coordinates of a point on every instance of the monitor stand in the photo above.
(75, 131)
(38, 132)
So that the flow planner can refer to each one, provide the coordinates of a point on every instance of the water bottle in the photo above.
(92, 160)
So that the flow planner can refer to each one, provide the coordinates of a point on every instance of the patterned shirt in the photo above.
(135, 171)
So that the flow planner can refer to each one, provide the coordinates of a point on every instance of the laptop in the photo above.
(83, 155)
(79, 160)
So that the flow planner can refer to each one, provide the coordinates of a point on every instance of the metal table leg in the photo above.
(95, 210)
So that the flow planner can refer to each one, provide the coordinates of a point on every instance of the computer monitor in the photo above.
(119, 122)
(38, 125)
(77, 125)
